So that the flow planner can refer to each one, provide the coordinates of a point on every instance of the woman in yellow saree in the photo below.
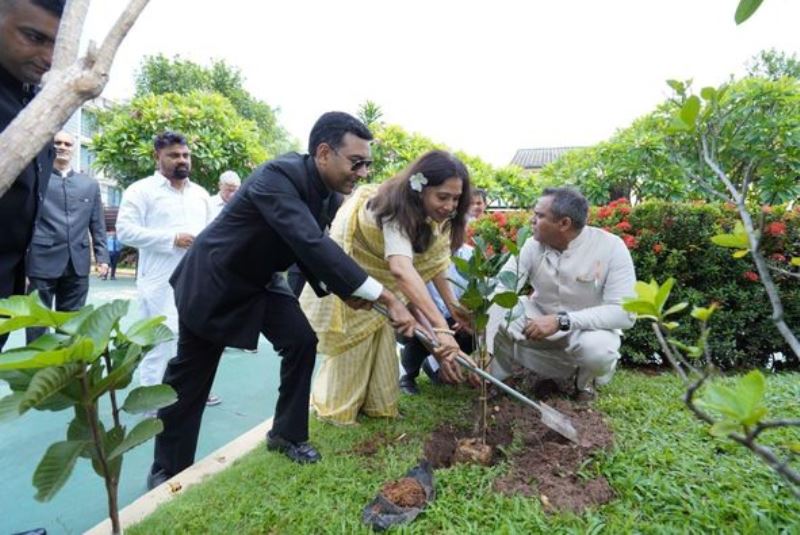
(402, 233)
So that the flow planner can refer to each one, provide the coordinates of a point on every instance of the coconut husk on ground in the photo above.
(541, 462)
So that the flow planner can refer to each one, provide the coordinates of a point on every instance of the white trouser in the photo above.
(158, 301)
(592, 355)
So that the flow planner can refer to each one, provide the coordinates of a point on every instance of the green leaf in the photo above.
(522, 236)
(508, 279)
(795, 261)
(74, 323)
(20, 322)
(647, 291)
(47, 382)
(640, 307)
(740, 253)
(462, 266)
(722, 399)
(663, 294)
(55, 468)
(511, 246)
(704, 313)
(121, 375)
(25, 358)
(149, 398)
(9, 406)
(144, 431)
(732, 241)
(149, 332)
(671, 325)
(724, 428)
(746, 9)
(472, 298)
(675, 308)
(689, 111)
(751, 390)
(98, 325)
(708, 93)
(677, 86)
(506, 299)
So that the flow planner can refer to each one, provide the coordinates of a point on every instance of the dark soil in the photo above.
(405, 492)
(541, 462)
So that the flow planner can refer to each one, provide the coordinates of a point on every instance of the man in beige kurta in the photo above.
(571, 325)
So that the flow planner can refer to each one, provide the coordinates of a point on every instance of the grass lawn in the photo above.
(669, 476)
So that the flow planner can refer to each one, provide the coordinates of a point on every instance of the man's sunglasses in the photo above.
(356, 164)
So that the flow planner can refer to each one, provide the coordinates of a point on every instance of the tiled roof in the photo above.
(538, 158)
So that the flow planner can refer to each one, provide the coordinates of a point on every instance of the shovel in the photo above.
(558, 422)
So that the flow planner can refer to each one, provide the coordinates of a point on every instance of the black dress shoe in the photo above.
(156, 478)
(299, 452)
(408, 385)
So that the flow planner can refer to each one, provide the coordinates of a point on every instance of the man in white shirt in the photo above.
(161, 215)
(572, 322)
(229, 183)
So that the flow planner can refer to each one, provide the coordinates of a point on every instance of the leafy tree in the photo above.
(160, 75)
(774, 64)
(755, 121)
(394, 148)
(220, 139)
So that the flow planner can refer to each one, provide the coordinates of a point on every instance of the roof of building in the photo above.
(539, 157)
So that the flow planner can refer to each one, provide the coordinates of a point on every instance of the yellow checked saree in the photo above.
(360, 368)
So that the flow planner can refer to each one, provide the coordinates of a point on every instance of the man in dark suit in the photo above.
(228, 287)
(27, 34)
(59, 259)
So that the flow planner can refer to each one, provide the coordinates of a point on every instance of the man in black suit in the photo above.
(228, 287)
(59, 259)
(27, 35)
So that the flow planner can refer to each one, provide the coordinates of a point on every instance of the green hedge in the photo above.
(674, 239)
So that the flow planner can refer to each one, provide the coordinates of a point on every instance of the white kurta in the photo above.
(588, 281)
(150, 216)
(216, 204)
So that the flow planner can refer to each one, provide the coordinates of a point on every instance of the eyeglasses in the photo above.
(356, 163)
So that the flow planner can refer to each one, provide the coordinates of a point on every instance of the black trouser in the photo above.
(69, 291)
(113, 258)
(414, 352)
(192, 372)
(12, 279)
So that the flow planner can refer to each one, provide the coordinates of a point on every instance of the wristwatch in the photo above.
(563, 321)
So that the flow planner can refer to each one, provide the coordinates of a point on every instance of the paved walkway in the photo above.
(246, 382)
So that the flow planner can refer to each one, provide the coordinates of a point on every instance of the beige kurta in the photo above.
(360, 371)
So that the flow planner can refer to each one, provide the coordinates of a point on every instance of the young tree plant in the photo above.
(88, 357)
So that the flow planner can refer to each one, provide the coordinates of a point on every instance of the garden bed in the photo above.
(666, 473)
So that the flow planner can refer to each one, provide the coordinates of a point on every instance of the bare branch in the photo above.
(69, 34)
(116, 35)
(668, 352)
(783, 271)
(65, 90)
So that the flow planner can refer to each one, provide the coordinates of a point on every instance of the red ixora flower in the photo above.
(776, 228)
(751, 276)
(624, 210)
(778, 257)
(623, 226)
(489, 250)
(630, 241)
(658, 247)
(604, 212)
(500, 218)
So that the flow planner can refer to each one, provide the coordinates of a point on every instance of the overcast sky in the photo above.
(486, 77)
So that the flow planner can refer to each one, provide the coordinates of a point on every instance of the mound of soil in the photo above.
(542, 462)
(405, 492)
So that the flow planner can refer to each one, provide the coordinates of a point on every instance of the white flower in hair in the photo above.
(417, 180)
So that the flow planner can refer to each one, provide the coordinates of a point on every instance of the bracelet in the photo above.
(439, 330)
